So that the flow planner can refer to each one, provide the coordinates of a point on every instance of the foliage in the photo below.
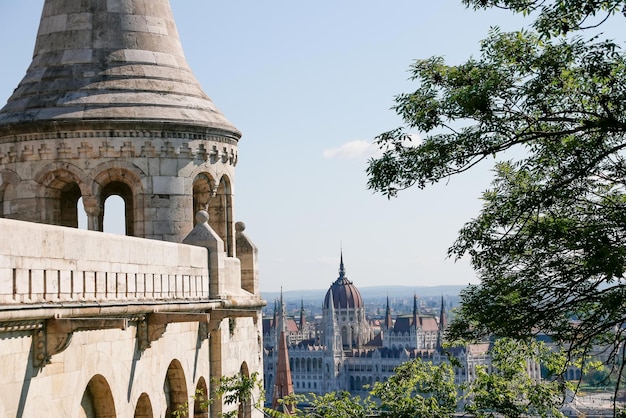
(558, 17)
(508, 390)
(239, 390)
(418, 388)
(339, 405)
(422, 389)
(549, 244)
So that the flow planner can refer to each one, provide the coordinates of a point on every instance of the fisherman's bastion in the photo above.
(98, 325)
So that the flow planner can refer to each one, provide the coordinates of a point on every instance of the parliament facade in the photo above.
(347, 351)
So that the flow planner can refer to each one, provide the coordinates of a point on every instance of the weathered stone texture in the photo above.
(92, 323)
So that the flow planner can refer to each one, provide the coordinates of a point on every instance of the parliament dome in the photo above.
(344, 293)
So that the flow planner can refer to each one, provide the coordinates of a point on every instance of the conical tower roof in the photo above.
(111, 60)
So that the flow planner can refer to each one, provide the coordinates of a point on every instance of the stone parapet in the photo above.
(48, 264)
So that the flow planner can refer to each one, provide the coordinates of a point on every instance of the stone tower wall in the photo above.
(154, 170)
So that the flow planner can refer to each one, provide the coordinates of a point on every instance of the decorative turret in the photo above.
(109, 106)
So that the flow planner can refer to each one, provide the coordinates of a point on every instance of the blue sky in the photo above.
(310, 85)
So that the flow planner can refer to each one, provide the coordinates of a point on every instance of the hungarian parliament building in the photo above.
(346, 351)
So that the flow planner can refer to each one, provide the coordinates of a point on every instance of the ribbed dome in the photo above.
(345, 295)
(111, 60)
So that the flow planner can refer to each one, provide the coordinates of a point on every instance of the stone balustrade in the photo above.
(46, 264)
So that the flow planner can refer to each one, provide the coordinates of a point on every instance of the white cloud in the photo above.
(353, 149)
(364, 149)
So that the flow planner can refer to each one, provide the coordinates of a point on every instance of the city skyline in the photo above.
(310, 86)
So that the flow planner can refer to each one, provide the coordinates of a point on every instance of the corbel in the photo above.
(153, 326)
(219, 314)
(56, 334)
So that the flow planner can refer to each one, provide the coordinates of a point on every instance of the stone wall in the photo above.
(99, 325)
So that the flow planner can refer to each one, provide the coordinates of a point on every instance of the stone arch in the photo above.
(62, 185)
(216, 198)
(144, 407)
(175, 389)
(124, 180)
(201, 400)
(97, 400)
(9, 181)
(245, 407)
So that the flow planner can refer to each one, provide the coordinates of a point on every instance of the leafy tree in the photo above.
(508, 389)
(338, 405)
(418, 389)
(550, 242)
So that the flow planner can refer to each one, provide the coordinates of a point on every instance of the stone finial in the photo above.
(240, 226)
(202, 217)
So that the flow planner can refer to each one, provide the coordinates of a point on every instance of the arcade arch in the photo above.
(175, 388)
(144, 407)
(217, 199)
(97, 400)
(201, 400)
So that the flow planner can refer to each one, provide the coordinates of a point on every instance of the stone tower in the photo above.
(100, 325)
(109, 106)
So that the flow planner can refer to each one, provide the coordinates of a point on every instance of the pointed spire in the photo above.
(281, 320)
(111, 60)
(388, 320)
(416, 312)
(283, 383)
(342, 269)
(443, 323)
(443, 320)
(302, 316)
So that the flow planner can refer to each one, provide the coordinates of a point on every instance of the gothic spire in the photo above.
(302, 316)
(283, 384)
(342, 269)
(416, 312)
(388, 320)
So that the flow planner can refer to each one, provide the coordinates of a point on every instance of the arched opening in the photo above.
(202, 189)
(97, 401)
(144, 407)
(69, 195)
(120, 216)
(114, 220)
(245, 406)
(175, 388)
(218, 202)
(57, 199)
(201, 400)
(7, 194)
